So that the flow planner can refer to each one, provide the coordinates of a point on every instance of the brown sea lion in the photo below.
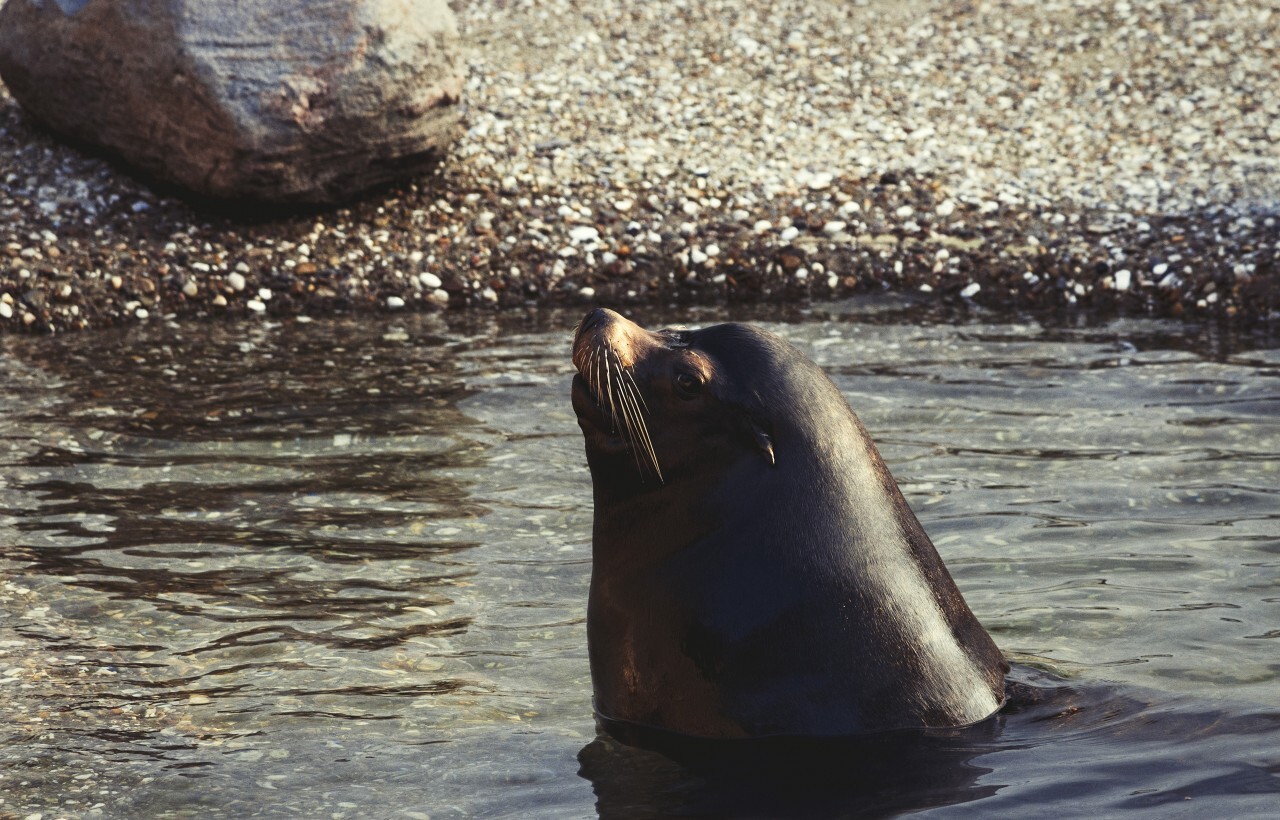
(756, 571)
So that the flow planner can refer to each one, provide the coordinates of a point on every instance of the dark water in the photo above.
(339, 569)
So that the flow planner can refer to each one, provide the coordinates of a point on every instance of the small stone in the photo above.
(970, 290)
(117, 282)
(905, 211)
(256, 306)
(6, 310)
(489, 295)
(946, 208)
(789, 233)
(395, 302)
(712, 250)
(622, 205)
(821, 181)
(834, 227)
(762, 226)
(141, 313)
(439, 296)
(264, 294)
(236, 281)
(587, 292)
(1160, 269)
(697, 257)
(1122, 279)
(190, 288)
(429, 280)
(220, 300)
(801, 274)
(850, 207)
(583, 233)
(690, 207)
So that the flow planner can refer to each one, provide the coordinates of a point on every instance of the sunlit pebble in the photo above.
(429, 280)
(117, 282)
(789, 233)
(946, 207)
(190, 288)
(970, 290)
(439, 296)
(850, 207)
(587, 292)
(821, 181)
(1122, 280)
(905, 211)
(690, 207)
(801, 274)
(256, 306)
(394, 302)
(762, 226)
(28, 318)
(608, 258)
(236, 281)
(6, 310)
(1160, 269)
(489, 295)
(833, 227)
(697, 257)
(241, 267)
(712, 250)
(141, 313)
(264, 294)
(220, 300)
(926, 288)
(740, 215)
(583, 233)
(622, 205)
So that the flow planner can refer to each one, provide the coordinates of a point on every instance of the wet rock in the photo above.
(280, 100)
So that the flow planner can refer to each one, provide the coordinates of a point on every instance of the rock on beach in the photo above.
(279, 100)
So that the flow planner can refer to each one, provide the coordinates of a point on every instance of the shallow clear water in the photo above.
(340, 569)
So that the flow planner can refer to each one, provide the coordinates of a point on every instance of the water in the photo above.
(339, 569)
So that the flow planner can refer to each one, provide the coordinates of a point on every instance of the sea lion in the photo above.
(756, 571)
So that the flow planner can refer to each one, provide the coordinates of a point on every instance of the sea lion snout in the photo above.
(604, 329)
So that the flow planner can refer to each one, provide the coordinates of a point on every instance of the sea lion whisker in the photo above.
(631, 377)
(640, 430)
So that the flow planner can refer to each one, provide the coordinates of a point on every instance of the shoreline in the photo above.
(736, 152)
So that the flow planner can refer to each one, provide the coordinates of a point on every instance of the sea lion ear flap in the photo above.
(765, 442)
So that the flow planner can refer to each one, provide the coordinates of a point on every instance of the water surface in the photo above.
(339, 569)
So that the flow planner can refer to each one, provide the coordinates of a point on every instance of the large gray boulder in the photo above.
(280, 100)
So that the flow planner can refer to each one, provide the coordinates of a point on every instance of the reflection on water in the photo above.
(339, 568)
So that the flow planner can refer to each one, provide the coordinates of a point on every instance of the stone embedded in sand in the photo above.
(280, 100)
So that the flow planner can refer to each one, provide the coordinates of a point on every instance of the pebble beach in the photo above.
(1082, 156)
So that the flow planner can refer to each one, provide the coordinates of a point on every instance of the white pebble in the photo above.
(256, 306)
(946, 207)
(850, 207)
(622, 205)
(762, 226)
(489, 295)
(970, 290)
(583, 233)
(697, 257)
(1160, 269)
(235, 280)
(821, 181)
(1123, 279)
(789, 233)
(141, 313)
(690, 207)
(833, 227)
(440, 296)
(394, 302)
(190, 288)
(905, 211)
(430, 280)
(264, 294)
(6, 311)
(587, 292)
(801, 274)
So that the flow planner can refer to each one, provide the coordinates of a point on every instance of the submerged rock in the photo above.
(279, 100)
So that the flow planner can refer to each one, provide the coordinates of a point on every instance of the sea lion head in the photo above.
(658, 407)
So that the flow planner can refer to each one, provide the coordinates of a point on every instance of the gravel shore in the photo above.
(1080, 156)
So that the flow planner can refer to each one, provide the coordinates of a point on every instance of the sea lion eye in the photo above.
(688, 385)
